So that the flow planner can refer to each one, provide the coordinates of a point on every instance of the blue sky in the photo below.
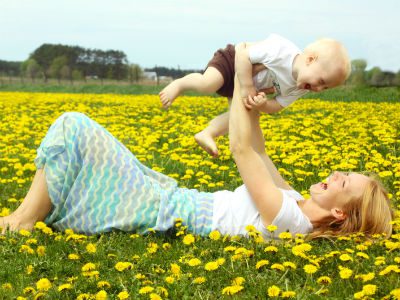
(186, 33)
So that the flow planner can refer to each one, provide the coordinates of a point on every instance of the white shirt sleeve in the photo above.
(290, 217)
(265, 51)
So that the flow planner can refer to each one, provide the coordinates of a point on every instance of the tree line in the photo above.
(372, 77)
(77, 63)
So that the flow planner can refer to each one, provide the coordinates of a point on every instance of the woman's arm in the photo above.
(255, 174)
(258, 144)
(244, 70)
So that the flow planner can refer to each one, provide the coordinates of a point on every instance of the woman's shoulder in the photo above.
(292, 194)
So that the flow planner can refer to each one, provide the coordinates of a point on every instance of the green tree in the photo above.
(31, 68)
(56, 67)
(77, 75)
(357, 77)
(135, 72)
(397, 79)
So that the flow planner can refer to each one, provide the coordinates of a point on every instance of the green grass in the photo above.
(345, 93)
(19, 134)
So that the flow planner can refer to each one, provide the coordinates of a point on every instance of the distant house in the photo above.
(150, 75)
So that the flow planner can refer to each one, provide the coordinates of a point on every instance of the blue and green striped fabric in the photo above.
(97, 185)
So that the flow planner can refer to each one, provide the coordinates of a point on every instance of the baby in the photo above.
(274, 64)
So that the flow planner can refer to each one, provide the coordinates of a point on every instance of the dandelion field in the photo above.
(306, 141)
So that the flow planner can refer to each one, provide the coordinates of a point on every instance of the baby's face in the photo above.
(316, 76)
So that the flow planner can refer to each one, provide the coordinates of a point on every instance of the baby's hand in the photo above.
(256, 101)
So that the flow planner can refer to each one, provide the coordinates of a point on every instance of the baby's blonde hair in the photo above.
(329, 49)
(369, 214)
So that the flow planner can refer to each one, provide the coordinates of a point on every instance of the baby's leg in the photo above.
(217, 127)
(208, 82)
(34, 208)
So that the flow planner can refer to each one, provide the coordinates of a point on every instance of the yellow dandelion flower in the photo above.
(123, 295)
(215, 235)
(324, 280)
(73, 256)
(91, 248)
(238, 281)
(103, 284)
(63, 287)
(122, 266)
(169, 279)
(274, 291)
(290, 265)
(285, 235)
(24, 232)
(41, 250)
(29, 290)
(369, 289)
(271, 249)
(7, 286)
(261, 263)
(231, 290)
(277, 266)
(272, 228)
(199, 280)
(29, 269)
(288, 294)
(194, 262)
(188, 239)
(146, 289)
(154, 296)
(140, 276)
(88, 267)
(362, 254)
(43, 284)
(345, 273)
(166, 246)
(211, 266)
(310, 269)
(359, 295)
(345, 257)
(230, 248)
(101, 295)
(395, 293)
(175, 269)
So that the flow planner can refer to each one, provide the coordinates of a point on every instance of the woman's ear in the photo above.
(338, 214)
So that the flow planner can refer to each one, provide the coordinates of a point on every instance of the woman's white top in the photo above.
(233, 211)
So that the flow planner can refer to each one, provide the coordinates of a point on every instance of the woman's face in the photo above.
(339, 189)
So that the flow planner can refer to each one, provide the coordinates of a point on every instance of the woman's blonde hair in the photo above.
(369, 214)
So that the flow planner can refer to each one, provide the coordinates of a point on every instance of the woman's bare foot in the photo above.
(207, 142)
(169, 94)
(15, 223)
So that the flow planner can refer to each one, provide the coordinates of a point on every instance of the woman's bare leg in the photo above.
(208, 82)
(34, 208)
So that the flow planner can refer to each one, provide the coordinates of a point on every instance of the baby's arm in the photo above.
(270, 106)
(244, 70)
(263, 104)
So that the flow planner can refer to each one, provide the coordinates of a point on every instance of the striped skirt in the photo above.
(97, 185)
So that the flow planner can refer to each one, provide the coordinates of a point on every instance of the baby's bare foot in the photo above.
(206, 142)
(15, 223)
(169, 94)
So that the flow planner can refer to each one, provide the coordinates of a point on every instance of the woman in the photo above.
(89, 182)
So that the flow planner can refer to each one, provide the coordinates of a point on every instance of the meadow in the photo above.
(307, 141)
